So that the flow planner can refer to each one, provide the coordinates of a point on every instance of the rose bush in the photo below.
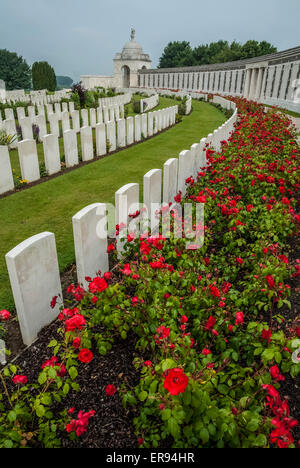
(210, 324)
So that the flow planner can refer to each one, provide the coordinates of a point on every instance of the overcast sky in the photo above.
(80, 37)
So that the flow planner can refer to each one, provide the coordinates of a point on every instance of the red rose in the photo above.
(4, 315)
(239, 316)
(85, 356)
(75, 322)
(76, 343)
(97, 285)
(176, 382)
(210, 323)
(274, 371)
(110, 390)
(20, 380)
(140, 441)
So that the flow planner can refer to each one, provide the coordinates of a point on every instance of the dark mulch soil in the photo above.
(112, 426)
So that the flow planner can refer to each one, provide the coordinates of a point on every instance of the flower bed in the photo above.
(214, 335)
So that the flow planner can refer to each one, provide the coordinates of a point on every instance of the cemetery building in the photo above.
(272, 79)
(126, 68)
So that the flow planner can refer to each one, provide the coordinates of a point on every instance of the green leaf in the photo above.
(42, 378)
(142, 396)
(40, 411)
(268, 355)
(260, 441)
(73, 373)
(204, 435)
(166, 414)
(174, 428)
(168, 364)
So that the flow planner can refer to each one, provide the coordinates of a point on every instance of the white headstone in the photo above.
(111, 135)
(90, 242)
(26, 128)
(51, 154)
(130, 131)
(121, 133)
(71, 148)
(29, 162)
(6, 176)
(137, 128)
(34, 277)
(170, 180)
(75, 120)
(87, 148)
(54, 124)
(101, 149)
(152, 196)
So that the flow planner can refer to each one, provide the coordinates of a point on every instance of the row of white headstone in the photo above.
(110, 136)
(149, 103)
(34, 97)
(33, 264)
(122, 99)
(54, 115)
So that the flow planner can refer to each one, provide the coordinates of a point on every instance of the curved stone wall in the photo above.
(271, 79)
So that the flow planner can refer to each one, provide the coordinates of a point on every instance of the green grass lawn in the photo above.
(51, 205)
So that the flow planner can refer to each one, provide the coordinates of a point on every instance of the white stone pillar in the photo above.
(259, 84)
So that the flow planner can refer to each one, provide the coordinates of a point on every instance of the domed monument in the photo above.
(126, 67)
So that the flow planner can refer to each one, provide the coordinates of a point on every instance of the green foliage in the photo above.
(43, 76)
(14, 70)
(5, 139)
(176, 54)
(64, 81)
(180, 54)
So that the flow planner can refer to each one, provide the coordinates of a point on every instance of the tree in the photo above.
(64, 81)
(14, 70)
(43, 76)
(177, 54)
